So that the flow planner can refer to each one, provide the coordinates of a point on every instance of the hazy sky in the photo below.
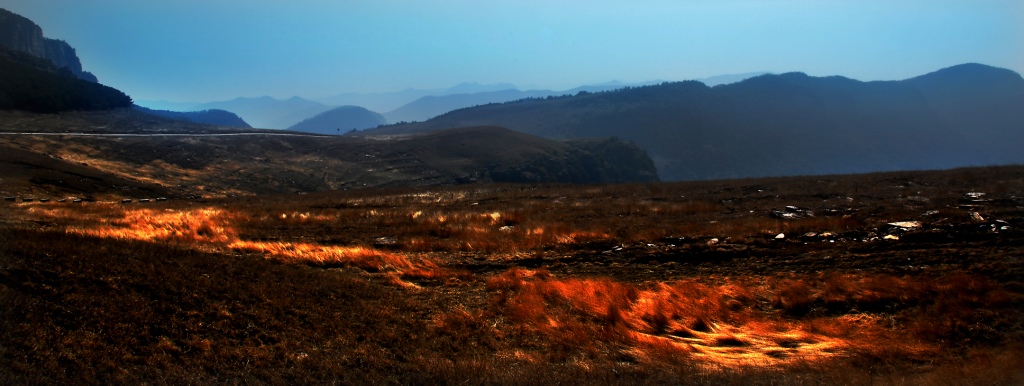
(204, 50)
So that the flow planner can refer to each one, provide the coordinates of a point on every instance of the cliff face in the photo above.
(21, 34)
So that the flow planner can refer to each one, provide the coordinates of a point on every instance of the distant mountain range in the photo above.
(250, 161)
(340, 120)
(465, 95)
(402, 106)
(387, 101)
(269, 113)
(788, 124)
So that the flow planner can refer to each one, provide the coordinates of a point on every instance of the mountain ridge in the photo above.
(340, 120)
(785, 124)
(21, 34)
(267, 112)
(209, 117)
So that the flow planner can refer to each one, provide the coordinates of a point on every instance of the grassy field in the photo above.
(894, 278)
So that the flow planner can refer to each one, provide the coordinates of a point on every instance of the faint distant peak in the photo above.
(473, 88)
(972, 72)
(729, 78)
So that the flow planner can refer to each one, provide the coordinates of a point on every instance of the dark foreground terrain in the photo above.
(894, 278)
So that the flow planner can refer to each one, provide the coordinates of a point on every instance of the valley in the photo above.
(747, 229)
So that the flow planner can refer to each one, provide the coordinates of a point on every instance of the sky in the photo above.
(209, 50)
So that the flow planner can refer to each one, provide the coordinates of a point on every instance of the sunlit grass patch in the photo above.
(743, 322)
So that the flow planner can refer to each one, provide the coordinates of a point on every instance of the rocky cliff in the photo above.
(21, 34)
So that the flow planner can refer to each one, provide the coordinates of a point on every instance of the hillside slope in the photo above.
(340, 120)
(126, 153)
(788, 124)
(208, 117)
(267, 112)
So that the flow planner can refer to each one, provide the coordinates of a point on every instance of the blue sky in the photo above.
(195, 51)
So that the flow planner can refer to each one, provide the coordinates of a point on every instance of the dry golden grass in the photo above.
(736, 322)
(514, 281)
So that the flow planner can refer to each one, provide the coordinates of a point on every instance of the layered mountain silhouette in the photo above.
(788, 124)
(471, 94)
(388, 101)
(21, 34)
(340, 120)
(267, 112)
(209, 117)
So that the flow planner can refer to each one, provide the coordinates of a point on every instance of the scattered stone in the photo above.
(977, 217)
(144, 200)
(44, 200)
(126, 201)
(791, 212)
(974, 195)
(713, 241)
(810, 234)
(931, 213)
(780, 236)
(161, 198)
(506, 228)
(385, 242)
(906, 224)
(891, 237)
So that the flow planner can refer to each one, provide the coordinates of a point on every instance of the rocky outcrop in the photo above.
(30, 83)
(21, 34)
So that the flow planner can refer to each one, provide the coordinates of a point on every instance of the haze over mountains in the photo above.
(62, 135)
(410, 105)
(339, 121)
(788, 124)
(765, 125)
(267, 112)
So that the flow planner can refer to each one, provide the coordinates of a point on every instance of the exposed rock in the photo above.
(21, 34)
(385, 242)
(791, 212)
(906, 224)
